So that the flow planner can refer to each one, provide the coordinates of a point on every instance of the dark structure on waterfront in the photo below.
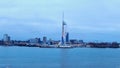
(44, 40)
(67, 37)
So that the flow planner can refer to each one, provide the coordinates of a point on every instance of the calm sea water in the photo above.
(31, 57)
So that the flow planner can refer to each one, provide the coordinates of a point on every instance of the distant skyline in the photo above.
(89, 20)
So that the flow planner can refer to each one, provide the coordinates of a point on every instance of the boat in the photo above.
(64, 46)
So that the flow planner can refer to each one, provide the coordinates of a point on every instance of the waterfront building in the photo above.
(74, 41)
(34, 40)
(6, 38)
(44, 40)
(56, 42)
(1, 42)
(81, 41)
(50, 42)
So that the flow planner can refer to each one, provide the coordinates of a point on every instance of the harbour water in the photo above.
(33, 57)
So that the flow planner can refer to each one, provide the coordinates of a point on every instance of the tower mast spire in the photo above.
(63, 17)
(63, 29)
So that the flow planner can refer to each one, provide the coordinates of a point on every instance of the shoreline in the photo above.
(64, 47)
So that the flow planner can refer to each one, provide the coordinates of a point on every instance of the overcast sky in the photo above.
(89, 20)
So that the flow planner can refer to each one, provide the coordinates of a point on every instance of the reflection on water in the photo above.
(8, 66)
(64, 58)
